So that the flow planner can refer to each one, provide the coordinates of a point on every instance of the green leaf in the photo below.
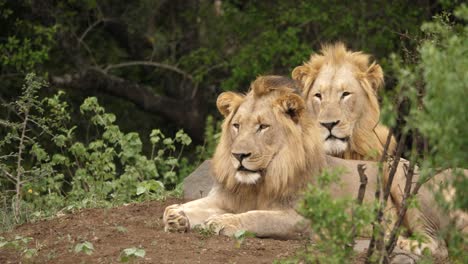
(183, 138)
(243, 234)
(59, 159)
(39, 152)
(59, 140)
(155, 136)
(78, 149)
(29, 253)
(85, 247)
(130, 253)
(141, 190)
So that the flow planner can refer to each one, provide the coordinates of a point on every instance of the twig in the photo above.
(394, 167)
(371, 248)
(363, 179)
(19, 168)
(362, 190)
(8, 175)
(91, 27)
(87, 48)
(404, 207)
(374, 244)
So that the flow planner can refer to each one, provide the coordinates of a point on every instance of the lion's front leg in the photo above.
(225, 224)
(181, 217)
(277, 224)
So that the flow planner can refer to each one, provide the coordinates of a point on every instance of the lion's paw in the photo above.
(175, 219)
(225, 224)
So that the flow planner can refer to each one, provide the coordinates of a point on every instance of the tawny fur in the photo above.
(368, 137)
(307, 157)
(290, 156)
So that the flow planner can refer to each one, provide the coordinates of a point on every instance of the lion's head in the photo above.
(340, 88)
(268, 142)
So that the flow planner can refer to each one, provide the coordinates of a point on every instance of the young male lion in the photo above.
(340, 88)
(270, 148)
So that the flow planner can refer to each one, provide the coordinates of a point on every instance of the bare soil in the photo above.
(136, 225)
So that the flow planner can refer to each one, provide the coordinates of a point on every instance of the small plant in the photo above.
(121, 229)
(205, 232)
(240, 237)
(131, 254)
(85, 247)
(335, 222)
(45, 169)
(435, 127)
(20, 244)
(20, 141)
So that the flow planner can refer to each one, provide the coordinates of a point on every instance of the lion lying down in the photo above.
(270, 149)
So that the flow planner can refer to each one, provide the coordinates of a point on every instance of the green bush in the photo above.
(436, 88)
(45, 169)
(428, 105)
(334, 222)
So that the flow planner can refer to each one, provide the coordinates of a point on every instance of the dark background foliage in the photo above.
(157, 63)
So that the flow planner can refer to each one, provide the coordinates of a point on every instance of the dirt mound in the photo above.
(140, 226)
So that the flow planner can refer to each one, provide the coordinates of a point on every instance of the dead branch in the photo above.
(19, 168)
(394, 167)
(148, 63)
(362, 190)
(378, 244)
(404, 207)
(8, 175)
(184, 112)
(363, 179)
(372, 243)
(91, 27)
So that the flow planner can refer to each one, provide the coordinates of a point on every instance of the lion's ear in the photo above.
(305, 75)
(374, 75)
(228, 102)
(292, 105)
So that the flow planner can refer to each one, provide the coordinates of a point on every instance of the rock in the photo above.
(198, 184)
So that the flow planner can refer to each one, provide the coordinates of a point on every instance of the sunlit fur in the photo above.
(290, 169)
(333, 65)
(290, 156)
(247, 178)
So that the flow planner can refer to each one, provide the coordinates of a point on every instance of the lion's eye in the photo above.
(236, 125)
(263, 127)
(318, 95)
(344, 94)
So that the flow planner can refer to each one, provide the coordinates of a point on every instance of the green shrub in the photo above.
(44, 168)
(428, 105)
(334, 222)
(436, 87)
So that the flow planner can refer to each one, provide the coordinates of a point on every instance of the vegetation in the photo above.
(335, 222)
(181, 54)
(432, 136)
(131, 253)
(38, 179)
(20, 244)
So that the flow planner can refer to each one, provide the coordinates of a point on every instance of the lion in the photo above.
(340, 88)
(270, 149)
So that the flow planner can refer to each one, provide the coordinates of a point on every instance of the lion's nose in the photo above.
(241, 156)
(330, 125)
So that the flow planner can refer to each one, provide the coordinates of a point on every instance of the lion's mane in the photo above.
(290, 170)
(368, 135)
